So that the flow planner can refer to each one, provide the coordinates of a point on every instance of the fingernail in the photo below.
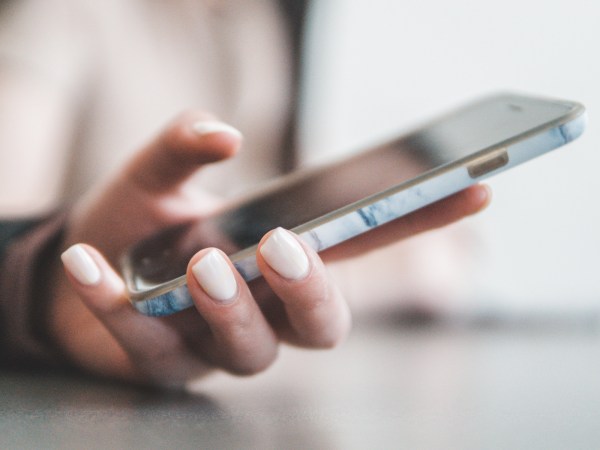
(215, 276)
(80, 264)
(285, 255)
(210, 127)
(486, 195)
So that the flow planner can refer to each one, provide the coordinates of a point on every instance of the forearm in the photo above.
(23, 305)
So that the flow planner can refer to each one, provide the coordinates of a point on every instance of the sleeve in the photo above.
(23, 308)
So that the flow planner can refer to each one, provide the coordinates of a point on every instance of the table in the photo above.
(391, 385)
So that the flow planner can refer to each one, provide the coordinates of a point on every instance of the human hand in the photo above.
(94, 322)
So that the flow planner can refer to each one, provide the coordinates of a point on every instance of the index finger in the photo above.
(190, 141)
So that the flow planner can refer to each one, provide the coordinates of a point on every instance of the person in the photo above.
(80, 316)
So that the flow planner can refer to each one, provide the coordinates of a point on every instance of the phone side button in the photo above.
(488, 163)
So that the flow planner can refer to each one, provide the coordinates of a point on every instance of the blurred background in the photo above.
(375, 68)
(382, 66)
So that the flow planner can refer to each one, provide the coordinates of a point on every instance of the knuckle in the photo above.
(311, 300)
(241, 328)
(166, 352)
(328, 337)
(325, 341)
(107, 304)
(246, 347)
(248, 365)
(329, 342)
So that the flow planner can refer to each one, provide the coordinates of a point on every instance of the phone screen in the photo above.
(308, 196)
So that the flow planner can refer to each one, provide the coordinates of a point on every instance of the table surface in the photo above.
(390, 386)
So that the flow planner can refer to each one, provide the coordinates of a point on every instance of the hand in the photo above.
(94, 322)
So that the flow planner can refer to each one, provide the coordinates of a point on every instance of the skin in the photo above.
(102, 333)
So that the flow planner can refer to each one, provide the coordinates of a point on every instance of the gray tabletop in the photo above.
(389, 386)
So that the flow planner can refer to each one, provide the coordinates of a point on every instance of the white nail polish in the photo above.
(215, 276)
(80, 264)
(210, 127)
(285, 255)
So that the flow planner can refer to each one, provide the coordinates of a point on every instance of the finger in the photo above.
(191, 140)
(242, 340)
(317, 313)
(155, 351)
(146, 196)
(444, 212)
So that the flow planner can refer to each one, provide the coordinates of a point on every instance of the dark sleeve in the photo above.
(27, 249)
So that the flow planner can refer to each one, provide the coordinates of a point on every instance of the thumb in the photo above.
(190, 141)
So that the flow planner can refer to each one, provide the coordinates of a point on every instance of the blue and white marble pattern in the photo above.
(356, 222)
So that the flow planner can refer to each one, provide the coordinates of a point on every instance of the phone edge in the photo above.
(384, 207)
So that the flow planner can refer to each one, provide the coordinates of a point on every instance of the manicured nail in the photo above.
(80, 264)
(210, 127)
(216, 277)
(486, 194)
(285, 255)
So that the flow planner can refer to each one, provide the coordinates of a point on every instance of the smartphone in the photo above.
(331, 204)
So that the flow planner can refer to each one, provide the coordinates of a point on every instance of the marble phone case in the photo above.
(359, 217)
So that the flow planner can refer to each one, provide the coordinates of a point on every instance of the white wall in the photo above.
(378, 66)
